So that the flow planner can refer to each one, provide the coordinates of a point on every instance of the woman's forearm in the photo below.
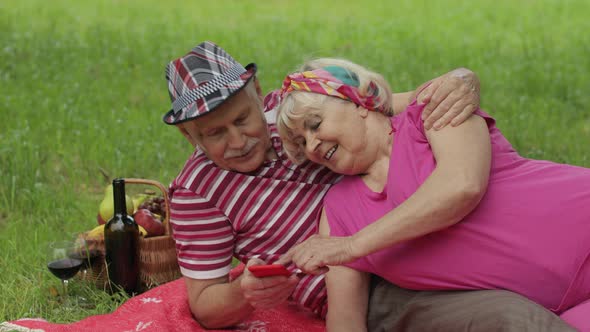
(439, 203)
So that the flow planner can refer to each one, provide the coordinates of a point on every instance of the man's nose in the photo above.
(236, 139)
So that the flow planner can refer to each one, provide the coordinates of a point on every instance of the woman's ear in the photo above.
(363, 112)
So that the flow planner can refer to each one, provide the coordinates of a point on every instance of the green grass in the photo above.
(82, 88)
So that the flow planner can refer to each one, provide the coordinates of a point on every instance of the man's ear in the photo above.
(186, 135)
(258, 89)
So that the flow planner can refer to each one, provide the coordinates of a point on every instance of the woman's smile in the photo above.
(331, 152)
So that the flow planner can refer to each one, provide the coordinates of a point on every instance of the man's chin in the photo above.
(246, 166)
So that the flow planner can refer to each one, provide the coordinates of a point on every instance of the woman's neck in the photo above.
(381, 136)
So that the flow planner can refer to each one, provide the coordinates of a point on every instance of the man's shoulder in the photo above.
(198, 169)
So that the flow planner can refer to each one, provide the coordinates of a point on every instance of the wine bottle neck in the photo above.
(119, 197)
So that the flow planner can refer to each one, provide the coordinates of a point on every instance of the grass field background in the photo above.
(83, 89)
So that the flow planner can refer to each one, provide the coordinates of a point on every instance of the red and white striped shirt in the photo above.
(218, 214)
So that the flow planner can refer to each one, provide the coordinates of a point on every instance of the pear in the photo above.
(106, 210)
(138, 199)
(96, 232)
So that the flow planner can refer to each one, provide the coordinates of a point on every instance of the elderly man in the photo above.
(239, 196)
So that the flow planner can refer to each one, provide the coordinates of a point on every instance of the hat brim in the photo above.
(236, 86)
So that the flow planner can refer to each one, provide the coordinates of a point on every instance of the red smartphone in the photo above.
(270, 270)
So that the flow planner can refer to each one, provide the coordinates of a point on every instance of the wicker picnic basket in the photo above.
(157, 254)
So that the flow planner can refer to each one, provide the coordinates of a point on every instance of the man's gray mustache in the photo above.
(250, 144)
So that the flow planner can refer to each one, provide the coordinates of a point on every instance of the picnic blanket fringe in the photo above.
(10, 327)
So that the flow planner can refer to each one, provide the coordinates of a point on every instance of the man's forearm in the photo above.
(221, 305)
(469, 82)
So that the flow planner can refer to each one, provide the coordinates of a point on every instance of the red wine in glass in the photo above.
(65, 268)
(61, 264)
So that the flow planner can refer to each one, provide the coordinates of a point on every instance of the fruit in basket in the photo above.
(147, 220)
(99, 219)
(107, 206)
(142, 231)
(156, 205)
(138, 199)
(96, 233)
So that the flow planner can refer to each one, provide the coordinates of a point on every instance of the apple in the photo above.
(147, 220)
(99, 219)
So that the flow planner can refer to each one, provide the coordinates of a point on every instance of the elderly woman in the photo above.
(451, 209)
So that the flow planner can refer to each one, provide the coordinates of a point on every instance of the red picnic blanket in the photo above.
(165, 308)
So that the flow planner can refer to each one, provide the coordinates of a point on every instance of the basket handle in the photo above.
(164, 194)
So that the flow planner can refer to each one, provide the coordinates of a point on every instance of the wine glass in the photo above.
(61, 263)
(84, 251)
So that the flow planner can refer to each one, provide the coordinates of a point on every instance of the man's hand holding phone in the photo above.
(272, 270)
(273, 287)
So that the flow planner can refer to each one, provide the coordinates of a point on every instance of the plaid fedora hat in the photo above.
(202, 80)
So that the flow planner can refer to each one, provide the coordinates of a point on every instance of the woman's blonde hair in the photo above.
(296, 105)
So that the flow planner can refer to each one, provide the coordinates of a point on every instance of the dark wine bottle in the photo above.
(121, 240)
